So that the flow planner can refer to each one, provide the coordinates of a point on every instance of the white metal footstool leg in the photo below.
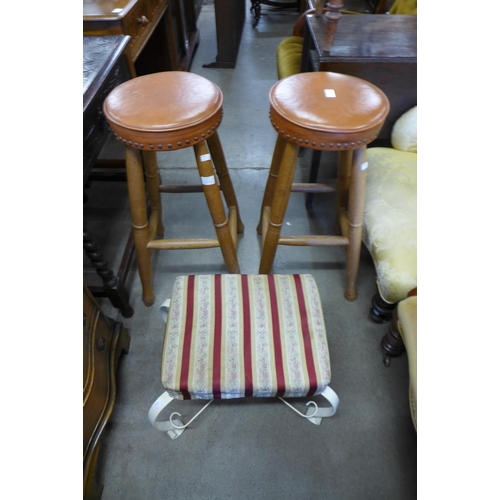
(316, 414)
(173, 427)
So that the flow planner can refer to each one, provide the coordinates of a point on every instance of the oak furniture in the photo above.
(229, 21)
(244, 336)
(104, 67)
(104, 341)
(326, 112)
(164, 35)
(165, 112)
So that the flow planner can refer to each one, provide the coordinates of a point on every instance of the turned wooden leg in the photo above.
(255, 8)
(332, 15)
(138, 208)
(343, 184)
(355, 220)
(216, 207)
(278, 208)
(153, 187)
(392, 343)
(381, 311)
(220, 165)
(113, 286)
(267, 200)
(313, 175)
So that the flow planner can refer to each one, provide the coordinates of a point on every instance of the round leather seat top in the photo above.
(322, 107)
(167, 110)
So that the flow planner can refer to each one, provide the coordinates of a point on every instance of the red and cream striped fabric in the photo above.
(233, 336)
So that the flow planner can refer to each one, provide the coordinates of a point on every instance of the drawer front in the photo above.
(140, 22)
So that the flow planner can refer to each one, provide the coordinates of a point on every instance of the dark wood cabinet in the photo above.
(163, 33)
(381, 49)
(104, 341)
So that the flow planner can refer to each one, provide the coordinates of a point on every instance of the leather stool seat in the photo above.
(163, 112)
(327, 112)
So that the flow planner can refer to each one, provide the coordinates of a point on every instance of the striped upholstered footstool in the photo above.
(234, 336)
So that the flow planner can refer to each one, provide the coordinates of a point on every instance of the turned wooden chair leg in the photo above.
(355, 220)
(153, 187)
(392, 343)
(216, 207)
(220, 165)
(381, 311)
(138, 208)
(278, 208)
(274, 171)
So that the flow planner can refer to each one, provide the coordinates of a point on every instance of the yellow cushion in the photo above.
(390, 220)
(289, 56)
(404, 7)
(404, 132)
(407, 314)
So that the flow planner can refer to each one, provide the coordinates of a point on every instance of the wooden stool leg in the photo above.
(153, 187)
(216, 207)
(271, 179)
(343, 182)
(355, 220)
(278, 208)
(313, 175)
(138, 208)
(220, 165)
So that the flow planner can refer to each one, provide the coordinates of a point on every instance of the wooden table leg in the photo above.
(138, 209)
(355, 219)
(279, 206)
(113, 287)
(216, 207)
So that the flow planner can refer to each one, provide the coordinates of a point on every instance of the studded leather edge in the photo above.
(312, 141)
(165, 141)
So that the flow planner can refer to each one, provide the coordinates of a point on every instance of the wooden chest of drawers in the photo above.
(152, 24)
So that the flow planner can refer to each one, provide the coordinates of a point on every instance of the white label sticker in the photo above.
(208, 181)
(364, 165)
(330, 93)
(205, 157)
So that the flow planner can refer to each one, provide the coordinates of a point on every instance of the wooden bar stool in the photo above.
(327, 112)
(164, 112)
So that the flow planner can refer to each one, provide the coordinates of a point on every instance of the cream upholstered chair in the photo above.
(390, 216)
(402, 335)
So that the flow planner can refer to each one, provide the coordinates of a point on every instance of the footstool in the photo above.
(235, 336)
